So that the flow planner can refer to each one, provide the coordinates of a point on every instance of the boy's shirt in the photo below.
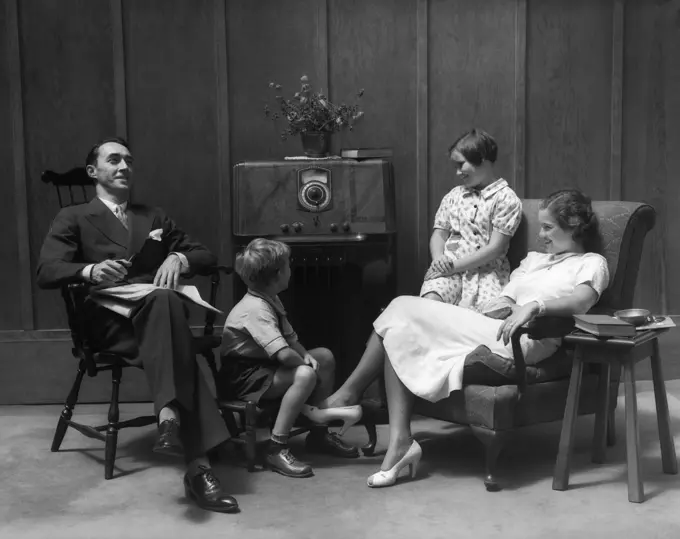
(257, 327)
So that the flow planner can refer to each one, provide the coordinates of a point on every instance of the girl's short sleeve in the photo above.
(594, 272)
(445, 214)
(507, 213)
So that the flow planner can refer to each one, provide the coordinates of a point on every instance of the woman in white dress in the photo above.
(425, 342)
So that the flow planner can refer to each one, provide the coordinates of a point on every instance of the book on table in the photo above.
(604, 325)
(365, 153)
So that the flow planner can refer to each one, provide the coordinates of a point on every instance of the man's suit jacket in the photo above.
(90, 233)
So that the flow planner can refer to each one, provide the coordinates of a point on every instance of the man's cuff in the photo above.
(183, 259)
(86, 273)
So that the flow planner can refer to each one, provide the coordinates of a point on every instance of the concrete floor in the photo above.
(44, 494)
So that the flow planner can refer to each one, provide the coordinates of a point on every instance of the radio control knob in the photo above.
(297, 226)
(345, 226)
(334, 227)
(284, 227)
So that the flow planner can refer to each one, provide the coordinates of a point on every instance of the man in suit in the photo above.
(93, 243)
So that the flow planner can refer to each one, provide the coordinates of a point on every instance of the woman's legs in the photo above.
(400, 407)
(366, 371)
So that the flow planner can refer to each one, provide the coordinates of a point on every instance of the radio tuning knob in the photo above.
(284, 227)
(345, 226)
(297, 226)
(334, 227)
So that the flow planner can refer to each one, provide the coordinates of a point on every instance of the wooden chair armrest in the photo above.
(549, 327)
(540, 328)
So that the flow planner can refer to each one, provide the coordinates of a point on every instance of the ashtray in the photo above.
(637, 317)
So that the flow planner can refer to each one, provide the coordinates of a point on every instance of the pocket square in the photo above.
(156, 234)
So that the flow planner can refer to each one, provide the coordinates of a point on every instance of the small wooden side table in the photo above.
(626, 351)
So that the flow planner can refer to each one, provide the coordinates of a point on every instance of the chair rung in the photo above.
(141, 421)
(87, 431)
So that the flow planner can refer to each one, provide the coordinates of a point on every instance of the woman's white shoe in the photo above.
(388, 478)
(349, 415)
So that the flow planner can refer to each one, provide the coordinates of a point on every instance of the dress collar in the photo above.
(489, 190)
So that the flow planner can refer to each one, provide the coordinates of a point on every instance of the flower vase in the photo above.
(315, 143)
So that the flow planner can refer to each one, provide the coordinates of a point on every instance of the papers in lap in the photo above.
(123, 299)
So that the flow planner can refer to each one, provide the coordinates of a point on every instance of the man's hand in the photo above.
(313, 363)
(167, 275)
(109, 271)
(517, 319)
(440, 267)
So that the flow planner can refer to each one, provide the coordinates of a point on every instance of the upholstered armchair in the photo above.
(496, 402)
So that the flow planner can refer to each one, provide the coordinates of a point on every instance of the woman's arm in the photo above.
(497, 247)
(579, 301)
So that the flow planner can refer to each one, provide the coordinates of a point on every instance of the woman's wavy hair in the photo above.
(573, 212)
(261, 260)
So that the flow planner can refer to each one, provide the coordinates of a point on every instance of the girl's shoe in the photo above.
(349, 415)
(389, 477)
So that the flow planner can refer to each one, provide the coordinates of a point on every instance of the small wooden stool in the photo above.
(626, 351)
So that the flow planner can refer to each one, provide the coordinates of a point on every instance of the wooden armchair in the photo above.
(76, 187)
(510, 394)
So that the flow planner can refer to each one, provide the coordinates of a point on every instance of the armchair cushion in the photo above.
(482, 367)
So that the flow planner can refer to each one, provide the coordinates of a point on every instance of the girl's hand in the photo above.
(517, 319)
(443, 265)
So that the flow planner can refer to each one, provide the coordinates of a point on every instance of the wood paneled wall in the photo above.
(578, 93)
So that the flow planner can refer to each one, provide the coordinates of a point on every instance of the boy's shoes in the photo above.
(279, 459)
(329, 443)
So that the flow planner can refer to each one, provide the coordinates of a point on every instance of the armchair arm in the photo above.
(549, 327)
(539, 328)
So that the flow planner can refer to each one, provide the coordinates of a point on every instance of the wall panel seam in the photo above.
(19, 161)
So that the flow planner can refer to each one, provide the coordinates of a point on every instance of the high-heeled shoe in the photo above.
(387, 478)
(349, 415)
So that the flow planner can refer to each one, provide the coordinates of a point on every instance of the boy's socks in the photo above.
(277, 442)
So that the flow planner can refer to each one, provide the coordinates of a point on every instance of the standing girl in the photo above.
(472, 228)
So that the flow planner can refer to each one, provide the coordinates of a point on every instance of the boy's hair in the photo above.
(574, 213)
(476, 146)
(260, 261)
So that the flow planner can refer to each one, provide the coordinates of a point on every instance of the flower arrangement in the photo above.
(312, 112)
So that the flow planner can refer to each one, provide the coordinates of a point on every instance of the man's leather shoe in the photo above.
(168, 442)
(205, 489)
(330, 443)
(282, 461)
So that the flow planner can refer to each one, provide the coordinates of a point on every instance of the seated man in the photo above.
(91, 243)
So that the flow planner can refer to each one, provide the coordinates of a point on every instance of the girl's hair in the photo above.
(261, 260)
(476, 146)
(573, 212)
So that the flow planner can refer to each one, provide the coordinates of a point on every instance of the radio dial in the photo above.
(315, 194)
(284, 227)
(334, 227)
(345, 226)
(297, 226)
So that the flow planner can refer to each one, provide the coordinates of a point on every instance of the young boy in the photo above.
(262, 360)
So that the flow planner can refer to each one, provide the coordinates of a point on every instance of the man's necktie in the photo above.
(122, 216)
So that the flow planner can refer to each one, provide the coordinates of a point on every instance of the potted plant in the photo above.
(313, 116)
